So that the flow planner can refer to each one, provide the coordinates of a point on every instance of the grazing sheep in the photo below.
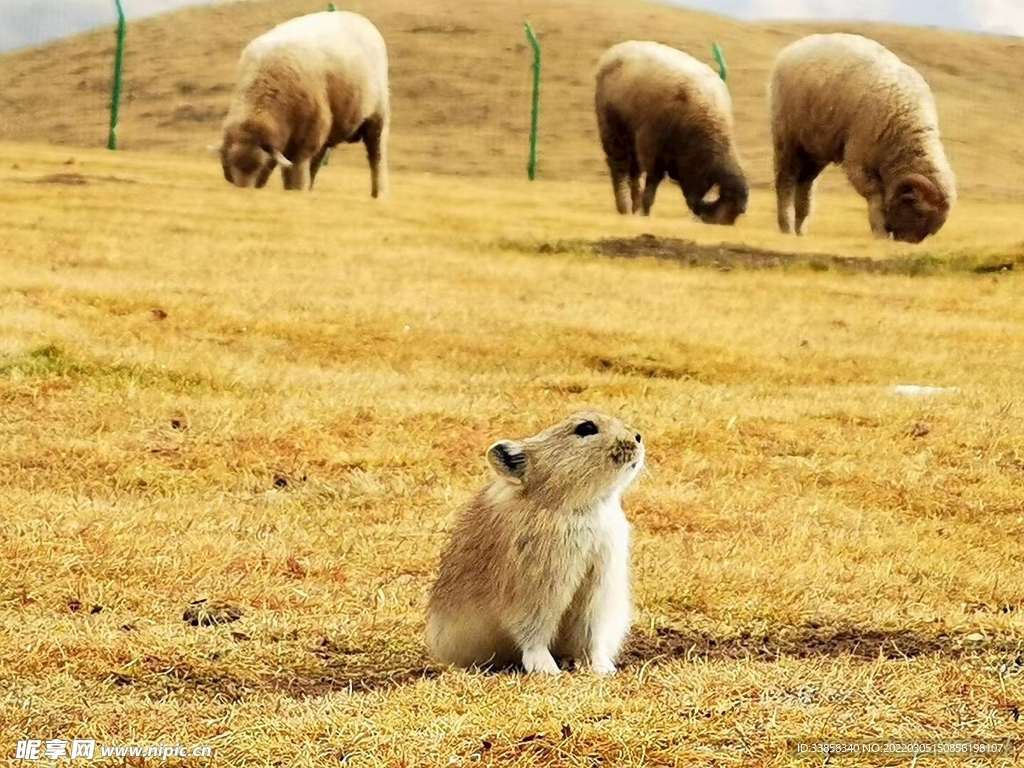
(663, 113)
(308, 84)
(845, 99)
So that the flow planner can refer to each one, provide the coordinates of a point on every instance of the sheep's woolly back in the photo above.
(661, 111)
(649, 83)
(321, 62)
(843, 97)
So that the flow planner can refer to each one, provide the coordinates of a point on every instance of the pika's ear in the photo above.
(508, 460)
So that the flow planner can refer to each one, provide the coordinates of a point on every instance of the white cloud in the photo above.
(26, 22)
(1001, 16)
(873, 10)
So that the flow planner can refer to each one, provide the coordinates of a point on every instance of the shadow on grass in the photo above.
(811, 640)
(355, 681)
(331, 668)
(235, 680)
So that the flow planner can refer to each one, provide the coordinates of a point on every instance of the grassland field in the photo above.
(277, 401)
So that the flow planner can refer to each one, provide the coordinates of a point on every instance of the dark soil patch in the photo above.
(202, 613)
(807, 641)
(74, 179)
(442, 29)
(727, 256)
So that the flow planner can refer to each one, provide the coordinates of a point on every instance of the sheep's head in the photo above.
(728, 206)
(915, 208)
(248, 158)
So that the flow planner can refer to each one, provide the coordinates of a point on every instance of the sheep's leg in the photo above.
(876, 216)
(802, 205)
(634, 184)
(635, 194)
(375, 136)
(646, 152)
(654, 178)
(297, 177)
(809, 172)
(785, 189)
(315, 164)
(620, 181)
(868, 186)
(620, 166)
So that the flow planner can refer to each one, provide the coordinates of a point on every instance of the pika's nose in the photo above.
(638, 438)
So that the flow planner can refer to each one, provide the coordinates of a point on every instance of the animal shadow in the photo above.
(809, 640)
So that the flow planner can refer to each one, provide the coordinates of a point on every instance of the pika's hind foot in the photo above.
(541, 661)
(603, 666)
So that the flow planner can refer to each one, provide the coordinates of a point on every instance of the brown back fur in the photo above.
(299, 98)
(659, 116)
(842, 98)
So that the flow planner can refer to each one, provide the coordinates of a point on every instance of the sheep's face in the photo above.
(723, 211)
(915, 209)
(247, 163)
(730, 204)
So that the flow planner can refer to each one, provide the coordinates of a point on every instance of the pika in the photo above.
(537, 564)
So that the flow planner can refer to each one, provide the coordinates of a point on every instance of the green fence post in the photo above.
(723, 71)
(531, 168)
(327, 154)
(115, 95)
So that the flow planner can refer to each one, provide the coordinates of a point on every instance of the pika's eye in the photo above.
(586, 429)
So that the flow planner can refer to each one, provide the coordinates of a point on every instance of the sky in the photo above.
(28, 22)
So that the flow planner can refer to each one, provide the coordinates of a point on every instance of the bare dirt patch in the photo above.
(810, 641)
(729, 256)
(75, 179)
(442, 29)
(202, 613)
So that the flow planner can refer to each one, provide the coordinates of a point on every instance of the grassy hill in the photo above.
(460, 76)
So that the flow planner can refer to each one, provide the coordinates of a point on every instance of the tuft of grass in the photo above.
(48, 361)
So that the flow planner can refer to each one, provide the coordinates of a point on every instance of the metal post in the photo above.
(531, 168)
(723, 71)
(115, 96)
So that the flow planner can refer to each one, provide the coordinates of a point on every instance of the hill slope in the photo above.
(461, 80)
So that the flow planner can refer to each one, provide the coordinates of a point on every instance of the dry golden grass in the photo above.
(278, 401)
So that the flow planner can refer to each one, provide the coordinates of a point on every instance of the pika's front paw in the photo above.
(603, 666)
(540, 661)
